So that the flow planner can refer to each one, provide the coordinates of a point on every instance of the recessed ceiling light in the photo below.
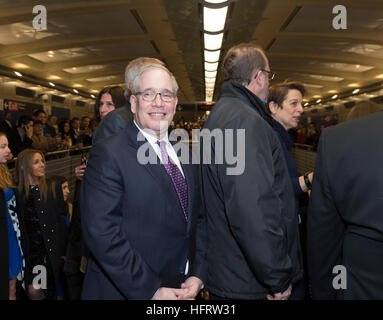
(20, 66)
(52, 84)
(355, 91)
(18, 74)
(93, 96)
(334, 96)
(75, 91)
(319, 100)
(54, 78)
(306, 104)
(353, 85)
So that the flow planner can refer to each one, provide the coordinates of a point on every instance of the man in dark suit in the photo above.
(20, 138)
(119, 118)
(345, 216)
(143, 223)
(6, 125)
(253, 237)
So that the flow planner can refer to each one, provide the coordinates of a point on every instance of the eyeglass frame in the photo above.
(155, 95)
(271, 74)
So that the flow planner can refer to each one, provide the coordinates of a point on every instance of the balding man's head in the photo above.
(243, 63)
(133, 68)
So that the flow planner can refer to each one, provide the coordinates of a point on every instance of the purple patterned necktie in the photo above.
(178, 180)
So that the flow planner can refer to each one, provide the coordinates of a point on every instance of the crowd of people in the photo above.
(47, 133)
(146, 224)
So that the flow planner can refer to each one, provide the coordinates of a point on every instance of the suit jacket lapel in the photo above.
(158, 172)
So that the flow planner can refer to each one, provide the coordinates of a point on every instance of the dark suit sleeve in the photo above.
(101, 196)
(325, 229)
(255, 207)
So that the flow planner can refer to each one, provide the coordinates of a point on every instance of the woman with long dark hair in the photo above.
(41, 213)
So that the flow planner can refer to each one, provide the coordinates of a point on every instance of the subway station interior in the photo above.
(87, 44)
(58, 55)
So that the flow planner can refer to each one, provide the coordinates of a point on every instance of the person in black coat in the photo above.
(253, 239)
(40, 213)
(285, 105)
(345, 220)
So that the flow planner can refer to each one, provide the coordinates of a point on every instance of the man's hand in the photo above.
(29, 131)
(193, 286)
(79, 171)
(281, 296)
(168, 294)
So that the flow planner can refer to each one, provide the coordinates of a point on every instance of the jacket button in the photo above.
(50, 250)
(42, 211)
(49, 240)
(44, 225)
(53, 230)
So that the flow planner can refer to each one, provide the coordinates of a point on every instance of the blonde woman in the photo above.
(10, 252)
(41, 217)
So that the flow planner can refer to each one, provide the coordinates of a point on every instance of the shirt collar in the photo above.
(151, 139)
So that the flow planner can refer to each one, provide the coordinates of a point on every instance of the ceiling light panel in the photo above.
(214, 19)
(213, 41)
(210, 74)
(211, 66)
(212, 56)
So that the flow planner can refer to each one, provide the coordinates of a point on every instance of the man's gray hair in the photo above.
(136, 81)
(133, 68)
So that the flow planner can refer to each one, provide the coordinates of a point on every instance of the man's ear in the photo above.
(133, 103)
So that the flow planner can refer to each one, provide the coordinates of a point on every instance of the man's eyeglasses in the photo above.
(271, 74)
(149, 95)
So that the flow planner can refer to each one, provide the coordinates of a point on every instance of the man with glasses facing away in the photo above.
(143, 223)
(253, 238)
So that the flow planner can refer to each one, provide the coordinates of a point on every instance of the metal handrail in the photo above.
(48, 154)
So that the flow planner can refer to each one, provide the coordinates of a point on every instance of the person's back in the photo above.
(253, 245)
(345, 224)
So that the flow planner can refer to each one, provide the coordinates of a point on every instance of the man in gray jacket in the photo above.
(253, 238)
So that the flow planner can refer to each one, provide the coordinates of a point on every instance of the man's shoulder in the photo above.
(123, 113)
(364, 126)
(118, 140)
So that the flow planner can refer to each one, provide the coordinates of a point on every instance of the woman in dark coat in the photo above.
(40, 211)
(285, 105)
(10, 246)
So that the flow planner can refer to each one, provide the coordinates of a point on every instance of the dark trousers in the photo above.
(74, 285)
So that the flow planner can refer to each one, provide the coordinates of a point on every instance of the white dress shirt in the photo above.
(169, 148)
